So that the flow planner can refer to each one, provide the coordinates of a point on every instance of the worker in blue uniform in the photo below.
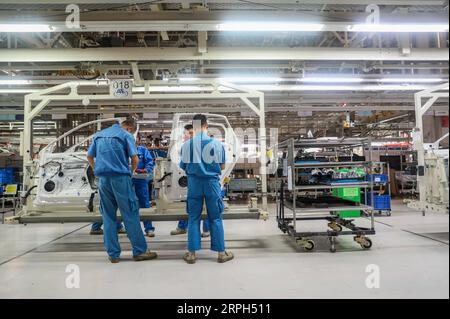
(203, 159)
(109, 156)
(145, 166)
(183, 224)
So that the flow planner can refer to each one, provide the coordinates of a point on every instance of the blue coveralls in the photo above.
(141, 185)
(201, 159)
(112, 149)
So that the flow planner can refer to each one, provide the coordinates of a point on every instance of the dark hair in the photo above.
(129, 123)
(188, 127)
(200, 118)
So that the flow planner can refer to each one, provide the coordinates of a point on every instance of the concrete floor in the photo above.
(411, 252)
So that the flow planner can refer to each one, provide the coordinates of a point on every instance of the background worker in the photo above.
(183, 224)
(157, 151)
(145, 166)
(109, 156)
(203, 159)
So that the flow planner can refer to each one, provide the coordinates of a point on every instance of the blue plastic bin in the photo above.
(381, 202)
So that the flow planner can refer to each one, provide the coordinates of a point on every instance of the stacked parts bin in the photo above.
(6, 176)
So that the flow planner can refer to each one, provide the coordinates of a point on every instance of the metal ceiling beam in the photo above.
(218, 54)
(219, 109)
(171, 20)
(231, 66)
(274, 2)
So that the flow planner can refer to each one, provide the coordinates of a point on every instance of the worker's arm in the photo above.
(184, 153)
(134, 163)
(91, 161)
(223, 157)
(132, 152)
(92, 152)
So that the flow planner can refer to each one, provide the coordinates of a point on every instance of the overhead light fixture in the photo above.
(394, 28)
(25, 27)
(252, 79)
(327, 79)
(18, 91)
(189, 79)
(14, 82)
(412, 80)
(268, 27)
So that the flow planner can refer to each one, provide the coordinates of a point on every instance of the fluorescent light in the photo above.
(14, 82)
(332, 80)
(13, 27)
(398, 28)
(189, 79)
(244, 79)
(266, 27)
(18, 91)
(411, 80)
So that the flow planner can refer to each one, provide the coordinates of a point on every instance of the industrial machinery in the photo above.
(432, 170)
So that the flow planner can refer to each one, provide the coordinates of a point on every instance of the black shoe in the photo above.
(96, 232)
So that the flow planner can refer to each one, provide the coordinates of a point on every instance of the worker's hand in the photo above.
(141, 171)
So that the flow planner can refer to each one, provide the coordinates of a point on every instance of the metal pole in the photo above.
(418, 145)
(263, 147)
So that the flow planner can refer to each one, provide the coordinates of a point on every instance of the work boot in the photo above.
(122, 231)
(190, 258)
(150, 233)
(178, 231)
(145, 256)
(96, 232)
(206, 234)
(225, 257)
(114, 260)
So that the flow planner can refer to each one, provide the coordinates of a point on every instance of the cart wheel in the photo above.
(389, 214)
(367, 243)
(309, 245)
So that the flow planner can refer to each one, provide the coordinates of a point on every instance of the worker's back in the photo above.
(112, 148)
(202, 157)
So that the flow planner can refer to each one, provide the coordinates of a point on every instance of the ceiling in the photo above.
(175, 39)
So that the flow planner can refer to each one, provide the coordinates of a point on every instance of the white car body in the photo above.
(65, 182)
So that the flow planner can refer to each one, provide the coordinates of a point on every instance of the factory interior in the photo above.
(333, 118)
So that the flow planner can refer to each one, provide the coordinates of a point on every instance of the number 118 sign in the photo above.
(121, 89)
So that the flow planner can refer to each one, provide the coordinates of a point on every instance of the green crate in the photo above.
(350, 214)
(352, 194)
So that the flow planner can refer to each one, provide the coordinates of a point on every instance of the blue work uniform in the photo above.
(141, 185)
(201, 159)
(112, 149)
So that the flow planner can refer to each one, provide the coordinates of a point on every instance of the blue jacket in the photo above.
(145, 159)
(112, 149)
(202, 156)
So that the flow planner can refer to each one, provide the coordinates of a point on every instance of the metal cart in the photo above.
(382, 189)
(291, 211)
